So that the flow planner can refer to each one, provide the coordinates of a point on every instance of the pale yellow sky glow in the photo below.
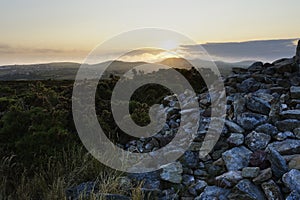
(44, 31)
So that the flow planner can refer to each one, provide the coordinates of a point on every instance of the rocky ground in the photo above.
(258, 153)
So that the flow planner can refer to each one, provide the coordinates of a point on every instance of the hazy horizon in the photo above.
(231, 31)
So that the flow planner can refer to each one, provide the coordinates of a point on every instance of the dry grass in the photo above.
(69, 168)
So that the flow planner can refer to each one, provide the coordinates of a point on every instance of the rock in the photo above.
(284, 135)
(190, 159)
(250, 172)
(263, 176)
(229, 179)
(295, 92)
(292, 180)
(213, 192)
(112, 197)
(199, 185)
(188, 179)
(233, 127)
(150, 180)
(172, 172)
(258, 105)
(81, 190)
(272, 190)
(286, 147)
(295, 163)
(297, 57)
(278, 163)
(238, 105)
(245, 189)
(285, 65)
(268, 129)
(248, 85)
(249, 121)
(257, 141)
(291, 114)
(297, 132)
(255, 66)
(259, 159)
(236, 139)
(293, 196)
(288, 124)
(236, 158)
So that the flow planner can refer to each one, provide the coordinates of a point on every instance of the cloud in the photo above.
(265, 50)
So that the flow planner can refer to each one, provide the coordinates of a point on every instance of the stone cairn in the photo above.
(258, 154)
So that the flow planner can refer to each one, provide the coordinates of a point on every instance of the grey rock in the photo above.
(236, 158)
(188, 179)
(272, 190)
(81, 190)
(249, 121)
(199, 185)
(297, 132)
(291, 180)
(286, 147)
(293, 196)
(257, 141)
(278, 163)
(248, 85)
(233, 127)
(258, 105)
(190, 159)
(105, 196)
(284, 135)
(236, 139)
(295, 92)
(150, 179)
(213, 192)
(288, 124)
(268, 129)
(285, 65)
(229, 179)
(245, 189)
(263, 176)
(250, 172)
(172, 172)
(291, 114)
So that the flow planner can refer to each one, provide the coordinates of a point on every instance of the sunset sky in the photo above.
(45, 31)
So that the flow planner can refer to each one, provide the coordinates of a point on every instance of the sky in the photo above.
(45, 31)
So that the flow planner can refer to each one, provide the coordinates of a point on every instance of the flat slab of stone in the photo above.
(291, 114)
(295, 92)
(286, 147)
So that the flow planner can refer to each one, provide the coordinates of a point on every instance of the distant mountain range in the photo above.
(68, 70)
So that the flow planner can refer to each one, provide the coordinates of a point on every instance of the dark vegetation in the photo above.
(41, 154)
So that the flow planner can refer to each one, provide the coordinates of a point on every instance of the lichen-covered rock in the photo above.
(257, 141)
(288, 124)
(263, 176)
(245, 189)
(286, 147)
(295, 92)
(271, 190)
(236, 158)
(249, 121)
(250, 172)
(229, 179)
(172, 172)
(213, 192)
(278, 163)
(236, 139)
(291, 180)
(268, 129)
